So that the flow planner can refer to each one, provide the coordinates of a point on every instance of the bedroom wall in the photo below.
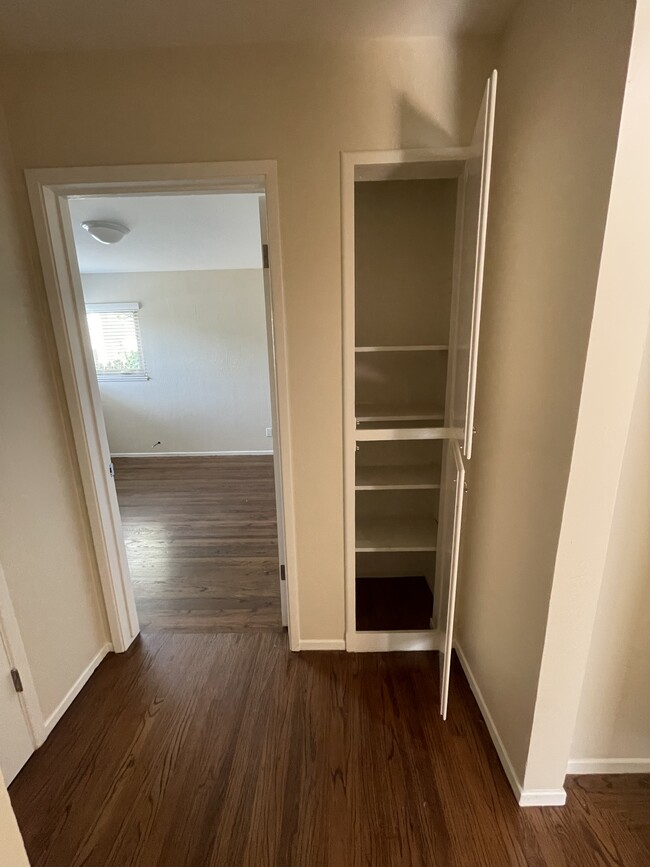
(204, 345)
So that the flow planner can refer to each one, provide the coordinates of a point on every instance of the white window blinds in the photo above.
(115, 341)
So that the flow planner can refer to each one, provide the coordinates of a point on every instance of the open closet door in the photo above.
(470, 255)
(450, 517)
(277, 470)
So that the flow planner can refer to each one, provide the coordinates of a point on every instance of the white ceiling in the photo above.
(171, 233)
(32, 25)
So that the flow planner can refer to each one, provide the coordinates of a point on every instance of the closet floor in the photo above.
(201, 540)
(230, 751)
(393, 604)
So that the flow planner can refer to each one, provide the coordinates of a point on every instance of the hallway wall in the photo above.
(561, 80)
(44, 537)
(299, 103)
(12, 851)
(613, 725)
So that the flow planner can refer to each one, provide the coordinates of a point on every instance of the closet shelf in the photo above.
(397, 477)
(366, 412)
(421, 348)
(396, 534)
(384, 434)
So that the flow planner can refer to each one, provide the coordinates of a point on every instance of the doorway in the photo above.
(172, 347)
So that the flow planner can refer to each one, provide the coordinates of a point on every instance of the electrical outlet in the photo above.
(269, 431)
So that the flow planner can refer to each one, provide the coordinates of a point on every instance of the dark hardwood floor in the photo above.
(201, 539)
(393, 603)
(229, 750)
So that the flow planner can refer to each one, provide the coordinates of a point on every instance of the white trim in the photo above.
(404, 433)
(321, 644)
(66, 302)
(542, 798)
(525, 798)
(366, 165)
(49, 191)
(608, 766)
(386, 642)
(122, 377)
(404, 157)
(486, 143)
(187, 454)
(17, 656)
(348, 163)
(76, 688)
(113, 307)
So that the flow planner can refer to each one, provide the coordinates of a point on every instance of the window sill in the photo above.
(122, 377)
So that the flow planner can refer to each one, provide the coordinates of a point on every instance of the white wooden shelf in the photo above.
(397, 477)
(366, 412)
(421, 348)
(385, 434)
(395, 534)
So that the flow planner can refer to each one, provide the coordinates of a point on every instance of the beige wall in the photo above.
(561, 77)
(614, 715)
(300, 104)
(204, 345)
(618, 333)
(43, 532)
(12, 849)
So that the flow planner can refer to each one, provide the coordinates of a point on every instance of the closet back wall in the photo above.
(204, 345)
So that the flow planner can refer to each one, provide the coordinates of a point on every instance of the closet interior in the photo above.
(413, 247)
(404, 246)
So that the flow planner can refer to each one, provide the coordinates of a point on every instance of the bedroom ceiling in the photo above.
(170, 233)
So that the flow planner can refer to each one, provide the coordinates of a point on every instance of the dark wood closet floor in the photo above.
(393, 603)
(201, 539)
(229, 751)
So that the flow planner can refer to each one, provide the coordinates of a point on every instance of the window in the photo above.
(115, 341)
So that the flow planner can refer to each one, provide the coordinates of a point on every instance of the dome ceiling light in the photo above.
(105, 231)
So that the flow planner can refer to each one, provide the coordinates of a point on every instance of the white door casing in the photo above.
(21, 719)
(277, 463)
(49, 191)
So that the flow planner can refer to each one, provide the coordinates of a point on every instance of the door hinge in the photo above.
(283, 572)
(111, 470)
(15, 676)
(265, 256)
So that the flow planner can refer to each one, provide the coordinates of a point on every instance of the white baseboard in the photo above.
(542, 798)
(385, 642)
(75, 689)
(608, 766)
(525, 797)
(187, 454)
(321, 644)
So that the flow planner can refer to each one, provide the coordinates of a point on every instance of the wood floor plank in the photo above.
(201, 541)
(226, 749)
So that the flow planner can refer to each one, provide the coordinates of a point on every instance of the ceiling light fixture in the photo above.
(105, 232)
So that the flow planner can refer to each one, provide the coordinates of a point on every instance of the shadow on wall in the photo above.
(418, 128)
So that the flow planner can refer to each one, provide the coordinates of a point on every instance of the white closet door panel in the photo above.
(451, 516)
(16, 744)
(470, 253)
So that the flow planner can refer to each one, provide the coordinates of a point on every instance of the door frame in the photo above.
(12, 639)
(49, 190)
(368, 166)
